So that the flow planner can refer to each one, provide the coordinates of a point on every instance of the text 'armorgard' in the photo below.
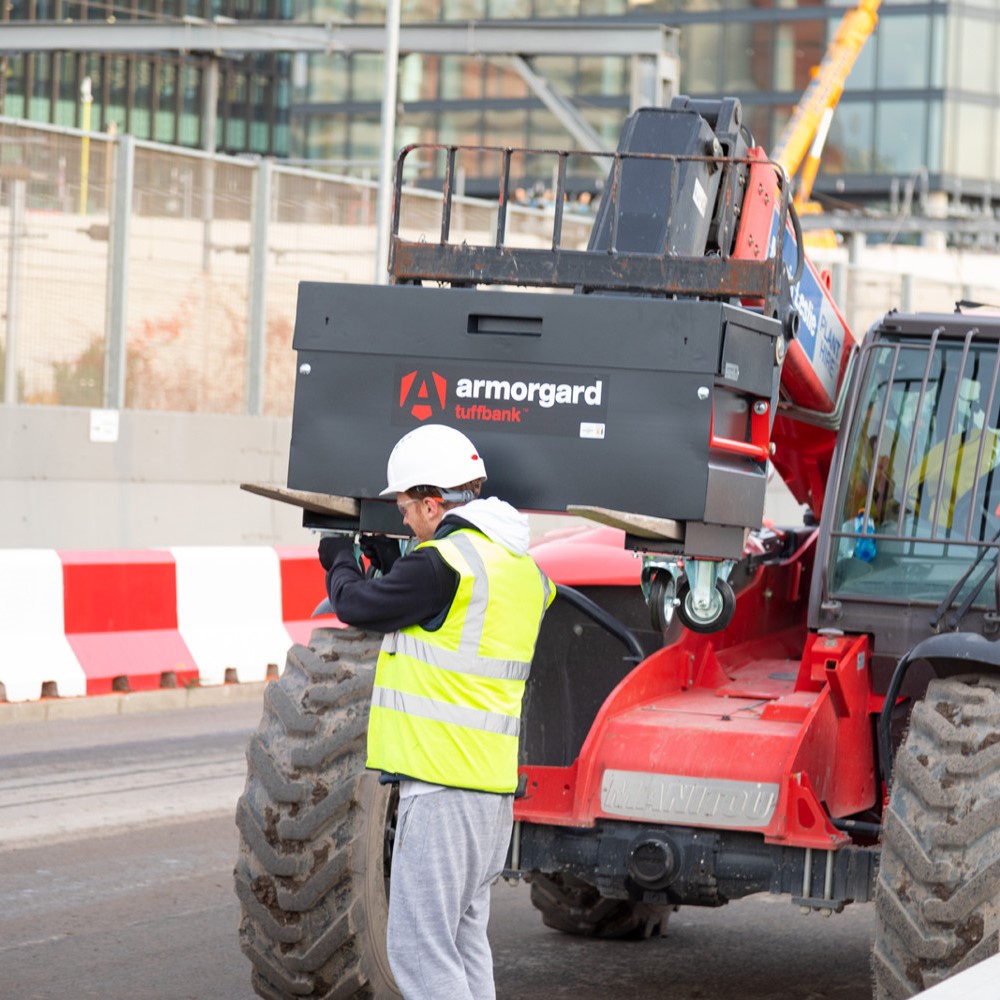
(546, 394)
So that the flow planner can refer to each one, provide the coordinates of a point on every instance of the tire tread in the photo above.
(938, 889)
(311, 822)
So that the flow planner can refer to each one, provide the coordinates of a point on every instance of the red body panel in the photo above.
(588, 557)
(756, 728)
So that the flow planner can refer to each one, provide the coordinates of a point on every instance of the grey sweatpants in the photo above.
(450, 847)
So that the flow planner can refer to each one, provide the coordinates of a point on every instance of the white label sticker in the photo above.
(700, 198)
(104, 426)
(732, 372)
(594, 431)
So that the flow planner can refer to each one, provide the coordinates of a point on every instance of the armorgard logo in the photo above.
(465, 393)
(423, 396)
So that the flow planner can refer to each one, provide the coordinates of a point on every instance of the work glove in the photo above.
(380, 551)
(330, 546)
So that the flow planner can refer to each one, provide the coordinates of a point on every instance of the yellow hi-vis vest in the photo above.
(446, 706)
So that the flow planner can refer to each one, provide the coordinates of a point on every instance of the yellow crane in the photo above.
(801, 142)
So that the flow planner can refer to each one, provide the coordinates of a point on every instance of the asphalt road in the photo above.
(116, 852)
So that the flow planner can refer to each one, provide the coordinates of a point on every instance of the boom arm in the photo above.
(817, 359)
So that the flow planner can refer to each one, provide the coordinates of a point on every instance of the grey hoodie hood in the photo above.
(496, 519)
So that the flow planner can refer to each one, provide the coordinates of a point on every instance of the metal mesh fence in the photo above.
(188, 280)
(186, 289)
(188, 283)
(53, 262)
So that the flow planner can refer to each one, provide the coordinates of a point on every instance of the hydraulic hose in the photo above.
(800, 260)
(605, 619)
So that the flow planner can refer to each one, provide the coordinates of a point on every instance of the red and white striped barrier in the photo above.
(87, 623)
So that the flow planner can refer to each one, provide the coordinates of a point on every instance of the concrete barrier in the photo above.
(90, 623)
(35, 655)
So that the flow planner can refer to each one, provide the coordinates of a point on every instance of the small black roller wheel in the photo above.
(712, 619)
(572, 906)
(662, 595)
(316, 831)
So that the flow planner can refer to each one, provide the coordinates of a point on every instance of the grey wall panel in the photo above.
(169, 479)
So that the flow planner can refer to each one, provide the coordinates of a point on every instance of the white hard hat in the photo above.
(432, 455)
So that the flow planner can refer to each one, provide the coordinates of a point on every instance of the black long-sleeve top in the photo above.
(417, 590)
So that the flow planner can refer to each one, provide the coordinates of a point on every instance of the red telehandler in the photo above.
(811, 711)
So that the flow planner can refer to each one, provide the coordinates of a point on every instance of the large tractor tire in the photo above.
(572, 906)
(938, 893)
(316, 831)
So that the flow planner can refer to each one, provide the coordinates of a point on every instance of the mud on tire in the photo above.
(573, 906)
(938, 893)
(316, 830)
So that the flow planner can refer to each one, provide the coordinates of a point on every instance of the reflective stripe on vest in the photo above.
(460, 662)
(446, 704)
(458, 715)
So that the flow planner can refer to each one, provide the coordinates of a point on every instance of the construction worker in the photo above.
(966, 461)
(461, 615)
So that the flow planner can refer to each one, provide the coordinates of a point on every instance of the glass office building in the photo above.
(921, 108)
(152, 96)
